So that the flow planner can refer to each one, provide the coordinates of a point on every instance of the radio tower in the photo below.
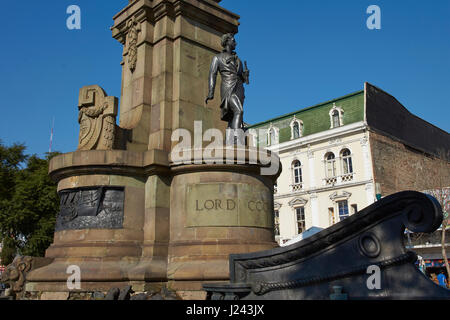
(51, 136)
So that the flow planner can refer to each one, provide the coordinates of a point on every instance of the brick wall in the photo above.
(398, 167)
(387, 115)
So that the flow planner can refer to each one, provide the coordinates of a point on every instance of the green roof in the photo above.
(317, 118)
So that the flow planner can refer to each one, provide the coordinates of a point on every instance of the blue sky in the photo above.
(300, 53)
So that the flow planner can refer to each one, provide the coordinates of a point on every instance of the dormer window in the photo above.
(336, 122)
(336, 117)
(296, 128)
(272, 135)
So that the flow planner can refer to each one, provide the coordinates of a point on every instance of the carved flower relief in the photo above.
(134, 29)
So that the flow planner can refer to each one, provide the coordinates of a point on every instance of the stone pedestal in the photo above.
(179, 221)
(217, 210)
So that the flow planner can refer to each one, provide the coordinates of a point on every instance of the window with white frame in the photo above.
(330, 165)
(347, 161)
(343, 209)
(336, 122)
(297, 172)
(272, 135)
(296, 128)
(336, 116)
(300, 216)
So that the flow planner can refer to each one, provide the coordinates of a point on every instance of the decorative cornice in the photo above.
(296, 202)
(110, 162)
(335, 196)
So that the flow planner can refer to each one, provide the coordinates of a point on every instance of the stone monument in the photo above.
(130, 213)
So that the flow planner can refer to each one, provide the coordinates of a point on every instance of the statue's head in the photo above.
(228, 39)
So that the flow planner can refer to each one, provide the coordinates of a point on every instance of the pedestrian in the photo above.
(434, 278)
(442, 279)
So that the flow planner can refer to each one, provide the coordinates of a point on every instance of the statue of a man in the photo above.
(233, 74)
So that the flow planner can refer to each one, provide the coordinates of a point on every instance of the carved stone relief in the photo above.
(15, 273)
(97, 118)
(91, 208)
(133, 32)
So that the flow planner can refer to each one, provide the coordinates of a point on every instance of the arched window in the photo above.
(297, 172)
(336, 122)
(272, 135)
(296, 129)
(330, 165)
(347, 161)
(336, 116)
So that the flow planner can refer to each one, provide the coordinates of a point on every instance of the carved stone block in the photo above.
(97, 118)
(15, 273)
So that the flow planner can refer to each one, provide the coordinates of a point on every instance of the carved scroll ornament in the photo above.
(97, 118)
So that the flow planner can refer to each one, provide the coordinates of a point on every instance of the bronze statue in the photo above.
(233, 74)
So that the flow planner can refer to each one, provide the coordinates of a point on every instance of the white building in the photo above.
(331, 158)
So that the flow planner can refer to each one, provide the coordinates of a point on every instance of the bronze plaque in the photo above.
(229, 205)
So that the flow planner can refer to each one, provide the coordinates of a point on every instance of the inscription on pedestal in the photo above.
(228, 205)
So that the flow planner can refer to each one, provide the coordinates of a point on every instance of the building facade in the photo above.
(339, 156)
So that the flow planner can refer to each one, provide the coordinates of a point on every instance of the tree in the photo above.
(29, 205)
(10, 160)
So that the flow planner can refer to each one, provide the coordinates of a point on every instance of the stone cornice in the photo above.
(203, 11)
(115, 162)
(144, 164)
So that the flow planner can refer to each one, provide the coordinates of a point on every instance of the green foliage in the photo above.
(28, 203)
